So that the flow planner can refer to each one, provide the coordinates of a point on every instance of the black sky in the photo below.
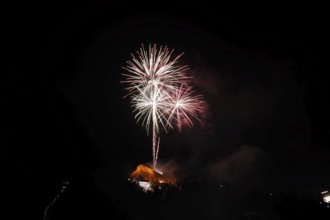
(64, 117)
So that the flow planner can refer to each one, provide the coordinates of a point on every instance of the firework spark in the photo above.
(160, 92)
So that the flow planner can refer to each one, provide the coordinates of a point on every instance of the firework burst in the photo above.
(160, 92)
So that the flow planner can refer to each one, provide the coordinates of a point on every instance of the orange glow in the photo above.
(147, 174)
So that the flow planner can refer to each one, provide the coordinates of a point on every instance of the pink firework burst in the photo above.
(160, 92)
(185, 106)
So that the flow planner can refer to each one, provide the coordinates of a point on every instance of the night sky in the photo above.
(261, 153)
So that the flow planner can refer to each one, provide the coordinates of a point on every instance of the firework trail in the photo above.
(160, 92)
(64, 187)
